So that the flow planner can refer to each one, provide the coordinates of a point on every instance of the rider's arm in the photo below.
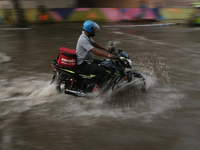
(97, 45)
(99, 53)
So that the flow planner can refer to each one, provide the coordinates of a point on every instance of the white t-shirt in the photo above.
(83, 47)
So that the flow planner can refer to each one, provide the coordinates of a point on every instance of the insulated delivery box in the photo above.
(67, 58)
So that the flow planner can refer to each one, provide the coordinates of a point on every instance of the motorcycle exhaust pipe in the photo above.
(71, 92)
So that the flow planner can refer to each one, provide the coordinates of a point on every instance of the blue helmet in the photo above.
(90, 26)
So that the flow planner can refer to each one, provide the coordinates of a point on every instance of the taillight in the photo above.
(53, 67)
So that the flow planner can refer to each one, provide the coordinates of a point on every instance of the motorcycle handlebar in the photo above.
(112, 51)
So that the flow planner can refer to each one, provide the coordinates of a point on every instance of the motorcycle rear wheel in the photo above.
(62, 83)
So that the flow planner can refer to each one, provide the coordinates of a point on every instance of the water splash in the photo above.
(4, 58)
(24, 93)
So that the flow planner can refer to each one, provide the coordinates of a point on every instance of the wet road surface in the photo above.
(167, 116)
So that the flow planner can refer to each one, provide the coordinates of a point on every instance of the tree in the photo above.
(19, 14)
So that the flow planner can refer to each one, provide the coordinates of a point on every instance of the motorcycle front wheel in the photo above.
(141, 82)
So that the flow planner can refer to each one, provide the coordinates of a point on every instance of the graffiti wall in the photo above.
(115, 14)
(98, 14)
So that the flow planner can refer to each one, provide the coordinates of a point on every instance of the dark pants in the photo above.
(95, 69)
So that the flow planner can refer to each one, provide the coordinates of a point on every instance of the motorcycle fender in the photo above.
(133, 73)
(54, 76)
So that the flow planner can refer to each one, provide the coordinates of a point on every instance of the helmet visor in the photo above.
(96, 26)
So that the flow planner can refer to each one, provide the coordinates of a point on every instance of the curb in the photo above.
(146, 25)
(11, 29)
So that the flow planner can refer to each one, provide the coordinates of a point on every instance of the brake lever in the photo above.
(114, 53)
(111, 50)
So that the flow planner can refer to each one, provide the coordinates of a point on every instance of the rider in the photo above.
(85, 48)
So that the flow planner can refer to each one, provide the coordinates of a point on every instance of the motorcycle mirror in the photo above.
(110, 43)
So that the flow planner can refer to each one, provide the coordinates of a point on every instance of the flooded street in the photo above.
(166, 117)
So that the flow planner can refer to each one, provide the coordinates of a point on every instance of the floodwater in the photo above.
(166, 117)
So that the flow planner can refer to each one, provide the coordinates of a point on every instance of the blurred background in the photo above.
(24, 12)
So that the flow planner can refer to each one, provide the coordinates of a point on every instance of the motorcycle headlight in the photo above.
(129, 61)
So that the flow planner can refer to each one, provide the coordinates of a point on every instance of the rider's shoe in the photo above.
(96, 89)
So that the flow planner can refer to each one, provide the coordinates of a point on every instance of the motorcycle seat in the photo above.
(76, 71)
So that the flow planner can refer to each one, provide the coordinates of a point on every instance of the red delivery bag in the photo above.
(67, 58)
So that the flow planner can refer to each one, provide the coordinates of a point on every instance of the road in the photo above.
(34, 116)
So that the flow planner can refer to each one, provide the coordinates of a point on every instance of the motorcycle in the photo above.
(78, 83)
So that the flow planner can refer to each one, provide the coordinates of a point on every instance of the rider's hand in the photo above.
(111, 56)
